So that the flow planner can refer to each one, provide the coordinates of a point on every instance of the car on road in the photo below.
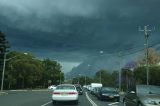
(108, 93)
(143, 95)
(52, 87)
(93, 86)
(96, 91)
(79, 89)
(65, 93)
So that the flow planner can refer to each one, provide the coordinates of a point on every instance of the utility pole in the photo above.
(146, 35)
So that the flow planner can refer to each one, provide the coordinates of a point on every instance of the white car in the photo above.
(65, 92)
(52, 87)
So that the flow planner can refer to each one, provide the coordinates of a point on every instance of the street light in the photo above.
(4, 65)
(100, 76)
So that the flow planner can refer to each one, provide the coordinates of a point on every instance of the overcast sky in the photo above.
(72, 30)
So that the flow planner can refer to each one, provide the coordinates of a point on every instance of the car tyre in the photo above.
(101, 98)
(54, 102)
(117, 99)
(139, 104)
(124, 103)
(76, 102)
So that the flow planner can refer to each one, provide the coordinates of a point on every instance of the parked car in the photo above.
(52, 87)
(79, 89)
(108, 93)
(93, 86)
(65, 92)
(97, 90)
(143, 95)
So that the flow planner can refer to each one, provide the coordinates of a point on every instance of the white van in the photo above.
(94, 85)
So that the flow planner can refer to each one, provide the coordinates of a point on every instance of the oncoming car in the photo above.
(65, 93)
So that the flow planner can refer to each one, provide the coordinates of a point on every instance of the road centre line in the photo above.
(90, 100)
(47, 103)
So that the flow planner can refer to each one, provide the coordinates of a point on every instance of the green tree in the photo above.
(154, 73)
(106, 78)
(153, 58)
(52, 71)
(22, 70)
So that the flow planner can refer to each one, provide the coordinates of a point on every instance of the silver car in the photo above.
(143, 95)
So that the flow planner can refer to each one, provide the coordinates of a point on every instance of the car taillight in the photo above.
(72, 93)
(56, 93)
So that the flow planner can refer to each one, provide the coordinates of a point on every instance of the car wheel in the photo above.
(54, 102)
(101, 98)
(76, 102)
(139, 104)
(117, 99)
(124, 103)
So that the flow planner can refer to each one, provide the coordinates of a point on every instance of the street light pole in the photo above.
(4, 63)
(100, 79)
(60, 78)
(85, 79)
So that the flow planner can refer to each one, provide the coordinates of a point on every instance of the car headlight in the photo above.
(151, 102)
(116, 95)
(105, 94)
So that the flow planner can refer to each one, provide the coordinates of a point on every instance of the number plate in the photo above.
(111, 96)
(64, 94)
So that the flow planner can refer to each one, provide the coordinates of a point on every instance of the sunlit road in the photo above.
(43, 98)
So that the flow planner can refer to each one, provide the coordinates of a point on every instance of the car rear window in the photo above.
(66, 87)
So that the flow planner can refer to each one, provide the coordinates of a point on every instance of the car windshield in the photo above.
(109, 90)
(148, 89)
(65, 87)
(78, 88)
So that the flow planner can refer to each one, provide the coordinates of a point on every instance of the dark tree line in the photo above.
(23, 70)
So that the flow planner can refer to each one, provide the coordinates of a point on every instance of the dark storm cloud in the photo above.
(78, 25)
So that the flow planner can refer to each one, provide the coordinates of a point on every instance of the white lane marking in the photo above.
(113, 103)
(47, 103)
(90, 100)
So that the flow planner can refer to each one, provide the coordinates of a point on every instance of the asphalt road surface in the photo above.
(43, 98)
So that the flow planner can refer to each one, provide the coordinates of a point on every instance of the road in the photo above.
(43, 98)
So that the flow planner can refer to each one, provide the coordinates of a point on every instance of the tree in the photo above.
(106, 78)
(52, 71)
(154, 73)
(153, 58)
(24, 70)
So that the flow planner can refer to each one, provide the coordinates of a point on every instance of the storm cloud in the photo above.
(73, 28)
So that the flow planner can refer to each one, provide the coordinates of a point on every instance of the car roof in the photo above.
(65, 85)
